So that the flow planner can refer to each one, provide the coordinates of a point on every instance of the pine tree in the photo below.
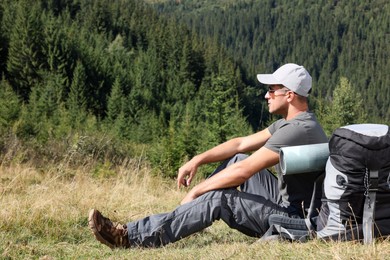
(10, 106)
(223, 115)
(115, 101)
(345, 108)
(51, 95)
(25, 56)
(3, 41)
(77, 101)
(55, 47)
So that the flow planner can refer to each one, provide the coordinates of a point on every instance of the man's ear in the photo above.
(291, 96)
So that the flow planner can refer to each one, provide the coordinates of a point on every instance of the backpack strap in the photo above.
(295, 229)
(371, 187)
(312, 209)
(280, 232)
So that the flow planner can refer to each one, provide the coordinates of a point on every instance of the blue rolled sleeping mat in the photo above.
(304, 158)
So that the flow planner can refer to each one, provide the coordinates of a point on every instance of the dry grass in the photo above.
(44, 216)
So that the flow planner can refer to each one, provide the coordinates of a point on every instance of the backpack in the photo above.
(356, 190)
(356, 203)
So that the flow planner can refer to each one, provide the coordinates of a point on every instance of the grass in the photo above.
(43, 215)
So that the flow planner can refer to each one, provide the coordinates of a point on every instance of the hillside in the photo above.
(332, 39)
(88, 73)
(112, 80)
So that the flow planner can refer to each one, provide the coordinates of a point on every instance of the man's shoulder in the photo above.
(303, 127)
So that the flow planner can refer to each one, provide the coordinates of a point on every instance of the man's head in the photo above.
(288, 88)
(292, 76)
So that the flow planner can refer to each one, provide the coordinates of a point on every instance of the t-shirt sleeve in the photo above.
(284, 134)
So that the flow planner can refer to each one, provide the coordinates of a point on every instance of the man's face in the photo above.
(277, 99)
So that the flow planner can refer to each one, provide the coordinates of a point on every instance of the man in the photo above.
(261, 193)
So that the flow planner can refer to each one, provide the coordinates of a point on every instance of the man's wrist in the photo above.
(197, 160)
(196, 191)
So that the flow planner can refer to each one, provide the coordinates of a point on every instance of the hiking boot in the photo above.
(107, 232)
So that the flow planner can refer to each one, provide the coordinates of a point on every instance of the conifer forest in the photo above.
(168, 79)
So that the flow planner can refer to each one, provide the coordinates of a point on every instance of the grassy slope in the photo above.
(44, 216)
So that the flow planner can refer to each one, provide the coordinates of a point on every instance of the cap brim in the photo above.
(267, 79)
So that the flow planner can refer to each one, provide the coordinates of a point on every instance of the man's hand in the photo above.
(186, 173)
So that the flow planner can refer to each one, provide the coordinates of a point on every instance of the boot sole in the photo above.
(92, 225)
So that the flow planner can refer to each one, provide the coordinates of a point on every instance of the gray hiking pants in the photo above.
(246, 210)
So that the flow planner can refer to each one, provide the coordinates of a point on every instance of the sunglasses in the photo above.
(272, 91)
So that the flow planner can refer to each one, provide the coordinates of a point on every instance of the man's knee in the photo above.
(212, 196)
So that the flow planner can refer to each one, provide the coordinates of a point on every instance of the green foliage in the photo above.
(10, 107)
(24, 54)
(114, 104)
(344, 109)
(183, 83)
(167, 156)
(77, 101)
(222, 115)
(330, 38)
(103, 170)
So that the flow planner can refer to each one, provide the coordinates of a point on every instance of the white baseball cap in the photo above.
(290, 75)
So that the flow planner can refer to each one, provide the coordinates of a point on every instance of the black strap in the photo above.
(311, 210)
(284, 233)
(294, 229)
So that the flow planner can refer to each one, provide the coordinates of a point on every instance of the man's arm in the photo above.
(235, 174)
(221, 152)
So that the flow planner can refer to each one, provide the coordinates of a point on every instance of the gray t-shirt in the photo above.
(301, 130)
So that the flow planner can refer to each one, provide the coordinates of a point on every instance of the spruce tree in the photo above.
(223, 116)
(115, 101)
(55, 47)
(25, 55)
(77, 101)
(10, 106)
(344, 109)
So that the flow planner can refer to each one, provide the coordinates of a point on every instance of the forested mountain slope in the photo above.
(74, 71)
(109, 80)
(333, 39)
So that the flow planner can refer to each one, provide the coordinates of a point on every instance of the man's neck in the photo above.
(295, 112)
